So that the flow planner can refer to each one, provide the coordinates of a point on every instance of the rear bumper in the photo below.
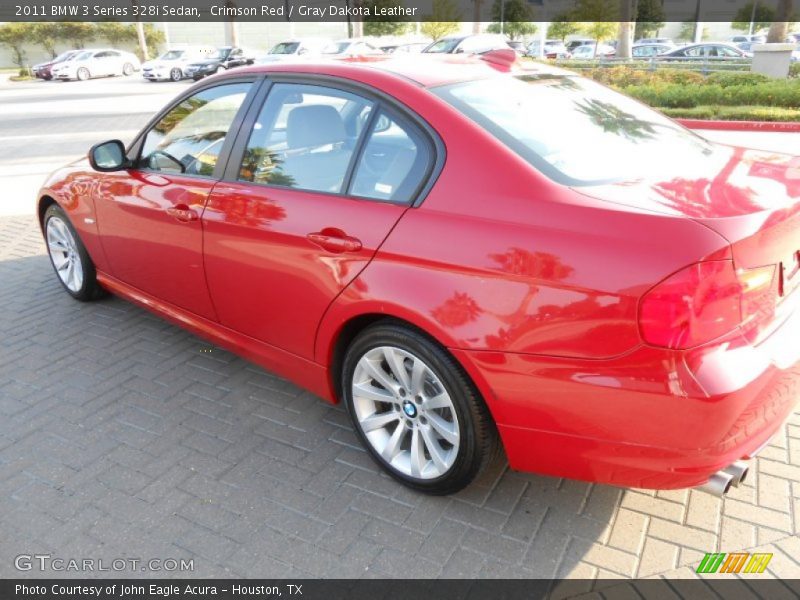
(650, 419)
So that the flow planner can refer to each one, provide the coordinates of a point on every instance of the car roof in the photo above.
(432, 71)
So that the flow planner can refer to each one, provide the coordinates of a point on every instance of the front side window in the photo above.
(188, 140)
(610, 137)
(304, 137)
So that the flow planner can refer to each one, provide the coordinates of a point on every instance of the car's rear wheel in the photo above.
(83, 74)
(176, 75)
(69, 258)
(127, 69)
(415, 410)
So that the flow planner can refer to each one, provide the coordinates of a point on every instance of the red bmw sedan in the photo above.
(470, 254)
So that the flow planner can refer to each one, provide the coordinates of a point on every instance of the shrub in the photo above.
(735, 113)
(728, 79)
(624, 76)
(776, 92)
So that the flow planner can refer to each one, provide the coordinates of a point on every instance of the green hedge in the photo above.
(781, 92)
(735, 113)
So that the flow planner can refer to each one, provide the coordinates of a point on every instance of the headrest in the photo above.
(314, 125)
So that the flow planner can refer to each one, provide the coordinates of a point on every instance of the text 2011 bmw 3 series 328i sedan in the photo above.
(467, 253)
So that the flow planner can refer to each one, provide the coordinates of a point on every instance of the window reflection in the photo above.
(189, 138)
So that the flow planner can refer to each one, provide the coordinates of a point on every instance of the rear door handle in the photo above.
(335, 240)
(183, 213)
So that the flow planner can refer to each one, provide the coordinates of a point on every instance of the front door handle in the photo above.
(334, 240)
(183, 213)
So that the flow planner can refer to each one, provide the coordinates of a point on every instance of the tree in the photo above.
(46, 36)
(14, 36)
(780, 26)
(378, 24)
(624, 29)
(687, 31)
(116, 33)
(601, 11)
(443, 20)
(77, 33)
(600, 30)
(561, 27)
(761, 18)
(153, 36)
(512, 18)
(650, 17)
(598, 18)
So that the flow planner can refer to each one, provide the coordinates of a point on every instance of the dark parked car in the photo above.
(45, 70)
(714, 50)
(227, 57)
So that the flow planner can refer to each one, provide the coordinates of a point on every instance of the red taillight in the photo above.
(703, 302)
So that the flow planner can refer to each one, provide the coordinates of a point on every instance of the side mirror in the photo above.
(108, 156)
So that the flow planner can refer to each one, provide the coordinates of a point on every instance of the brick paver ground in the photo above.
(123, 436)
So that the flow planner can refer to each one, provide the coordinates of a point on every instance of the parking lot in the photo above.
(122, 436)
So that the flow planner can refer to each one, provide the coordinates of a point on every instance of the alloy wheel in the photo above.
(405, 412)
(175, 75)
(64, 253)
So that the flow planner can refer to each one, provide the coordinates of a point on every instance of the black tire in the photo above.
(175, 74)
(90, 289)
(83, 74)
(478, 444)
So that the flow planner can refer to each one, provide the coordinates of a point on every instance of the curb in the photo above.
(765, 126)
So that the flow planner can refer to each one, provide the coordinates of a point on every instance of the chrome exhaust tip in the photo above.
(718, 484)
(738, 471)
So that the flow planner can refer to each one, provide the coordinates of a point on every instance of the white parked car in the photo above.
(294, 50)
(102, 62)
(589, 51)
(352, 47)
(172, 64)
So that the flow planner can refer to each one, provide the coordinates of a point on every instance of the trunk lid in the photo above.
(750, 197)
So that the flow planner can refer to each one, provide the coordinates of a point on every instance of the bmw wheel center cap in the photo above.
(409, 409)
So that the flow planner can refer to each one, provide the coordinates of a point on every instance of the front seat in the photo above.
(317, 155)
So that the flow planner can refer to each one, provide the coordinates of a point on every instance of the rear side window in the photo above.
(324, 139)
(393, 163)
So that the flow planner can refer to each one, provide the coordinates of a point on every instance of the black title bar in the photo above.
(396, 10)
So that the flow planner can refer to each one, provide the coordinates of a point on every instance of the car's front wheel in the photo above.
(176, 74)
(83, 74)
(68, 256)
(415, 410)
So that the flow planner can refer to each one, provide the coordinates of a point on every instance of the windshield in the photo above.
(285, 48)
(222, 53)
(335, 48)
(574, 130)
(171, 55)
(443, 46)
(82, 56)
(64, 56)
